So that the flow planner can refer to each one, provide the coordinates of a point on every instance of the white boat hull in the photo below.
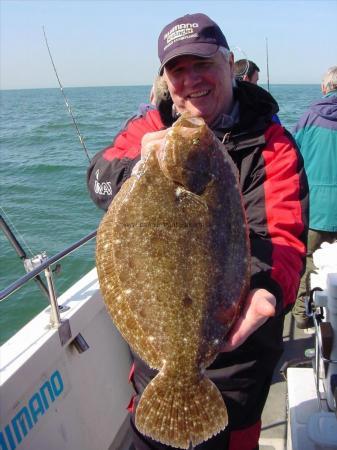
(52, 396)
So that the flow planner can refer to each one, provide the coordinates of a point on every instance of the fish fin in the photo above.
(127, 322)
(122, 315)
(179, 412)
(189, 197)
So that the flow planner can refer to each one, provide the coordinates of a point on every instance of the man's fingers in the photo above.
(265, 308)
(152, 141)
(260, 305)
(156, 135)
(236, 337)
(241, 331)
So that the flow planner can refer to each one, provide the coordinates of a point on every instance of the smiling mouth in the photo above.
(199, 94)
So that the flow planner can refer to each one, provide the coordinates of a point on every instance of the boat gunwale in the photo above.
(19, 283)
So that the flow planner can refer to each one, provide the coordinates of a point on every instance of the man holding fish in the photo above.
(196, 67)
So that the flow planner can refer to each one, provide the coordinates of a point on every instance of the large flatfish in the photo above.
(173, 266)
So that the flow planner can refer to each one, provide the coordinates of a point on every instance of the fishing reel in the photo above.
(36, 261)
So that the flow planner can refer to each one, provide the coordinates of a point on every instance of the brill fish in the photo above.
(173, 264)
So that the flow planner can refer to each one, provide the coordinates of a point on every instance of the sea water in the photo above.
(44, 197)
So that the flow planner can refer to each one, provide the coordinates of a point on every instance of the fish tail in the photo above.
(179, 412)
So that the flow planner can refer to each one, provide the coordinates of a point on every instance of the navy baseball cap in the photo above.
(193, 34)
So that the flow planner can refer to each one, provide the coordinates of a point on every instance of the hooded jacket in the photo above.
(316, 137)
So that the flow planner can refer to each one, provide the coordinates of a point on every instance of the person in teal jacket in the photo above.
(316, 137)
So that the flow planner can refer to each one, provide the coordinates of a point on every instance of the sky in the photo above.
(111, 42)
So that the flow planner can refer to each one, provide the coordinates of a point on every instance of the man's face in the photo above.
(201, 86)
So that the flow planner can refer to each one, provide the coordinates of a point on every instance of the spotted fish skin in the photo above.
(173, 264)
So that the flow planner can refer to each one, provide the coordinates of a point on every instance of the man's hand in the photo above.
(259, 306)
(150, 141)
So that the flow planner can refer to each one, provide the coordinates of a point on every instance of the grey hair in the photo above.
(225, 52)
(330, 79)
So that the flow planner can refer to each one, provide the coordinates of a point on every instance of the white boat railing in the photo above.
(45, 265)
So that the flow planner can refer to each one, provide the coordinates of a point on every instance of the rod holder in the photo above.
(80, 343)
(55, 318)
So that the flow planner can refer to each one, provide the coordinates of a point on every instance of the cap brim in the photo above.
(203, 50)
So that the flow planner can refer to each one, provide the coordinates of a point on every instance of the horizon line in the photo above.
(135, 85)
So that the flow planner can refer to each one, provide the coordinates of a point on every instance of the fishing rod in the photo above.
(267, 63)
(31, 264)
(66, 100)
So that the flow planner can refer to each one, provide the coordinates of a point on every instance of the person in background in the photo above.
(316, 137)
(246, 70)
(197, 69)
(160, 99)
(144, 107)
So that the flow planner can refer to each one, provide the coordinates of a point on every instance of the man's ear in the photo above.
(231, 63)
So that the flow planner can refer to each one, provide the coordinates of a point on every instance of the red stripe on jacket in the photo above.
(283, 211)
(127, 143)
(245, 439)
